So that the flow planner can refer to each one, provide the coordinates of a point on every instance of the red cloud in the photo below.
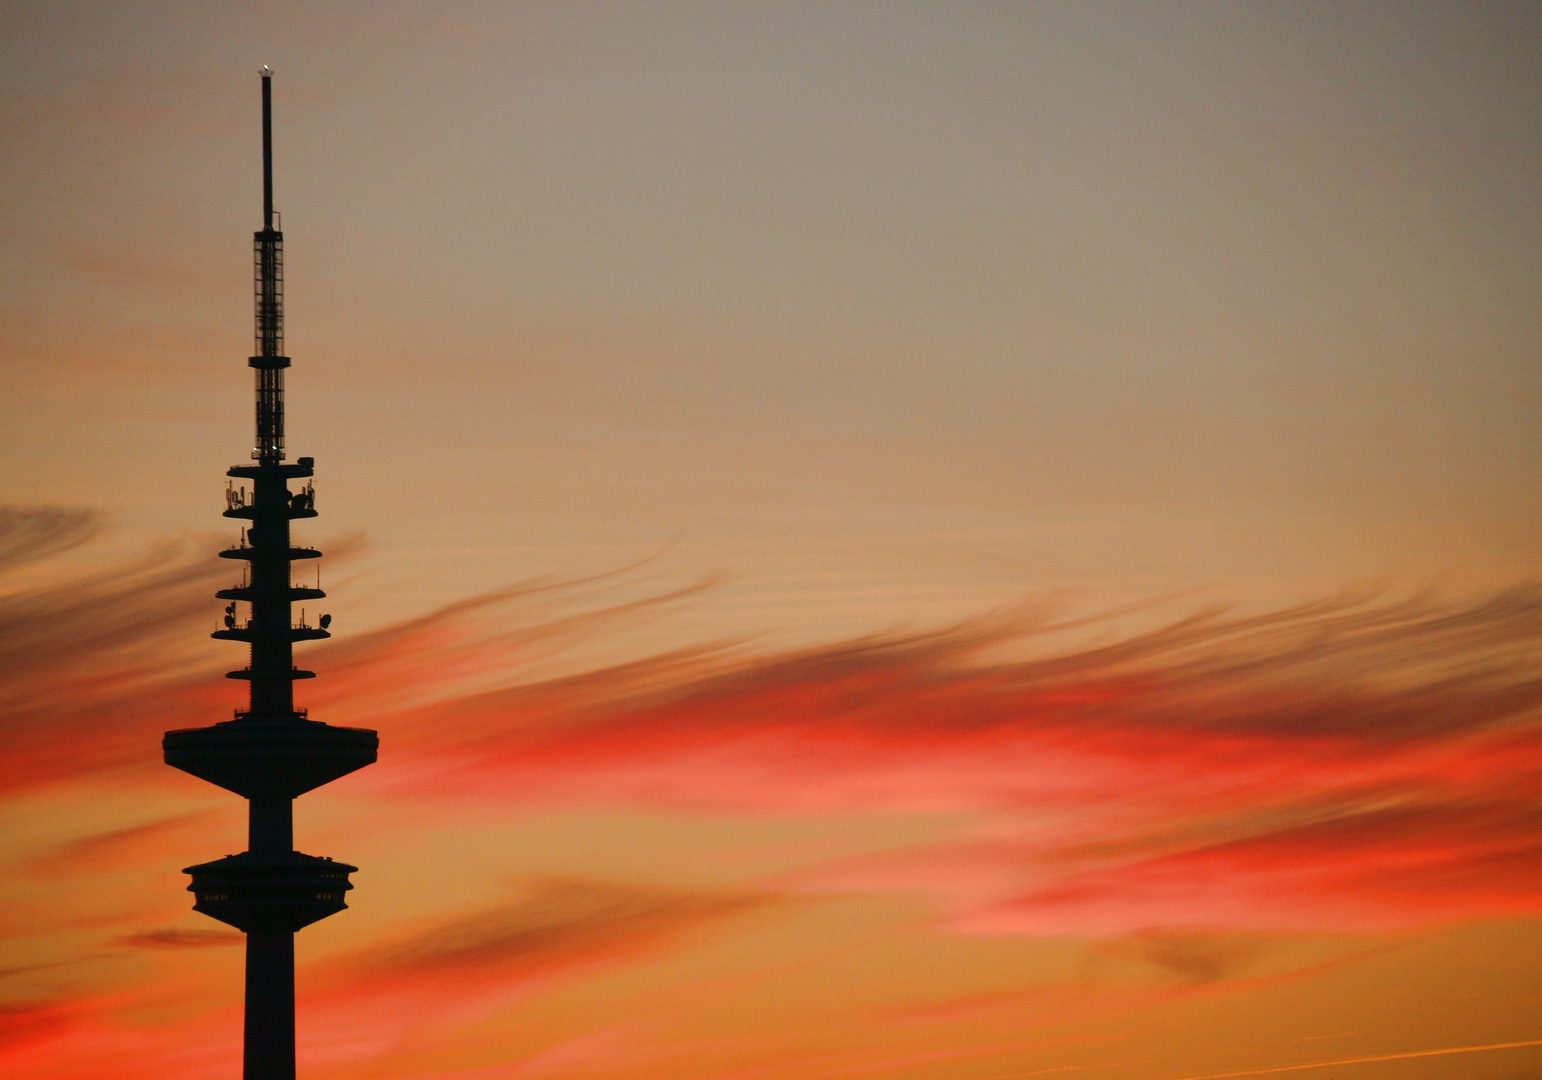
(1341, 765)
(1356, 761)
(172, 937)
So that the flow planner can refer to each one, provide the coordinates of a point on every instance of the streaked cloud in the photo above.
(172, 937)
(1363, 761)
(1191, 792)
(31, 534)
(548, 924)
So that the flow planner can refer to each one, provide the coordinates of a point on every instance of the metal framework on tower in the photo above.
(271, 753)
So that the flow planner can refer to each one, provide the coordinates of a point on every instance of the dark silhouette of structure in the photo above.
(271, 752)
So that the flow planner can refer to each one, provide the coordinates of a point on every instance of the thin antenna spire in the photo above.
(267, 147)
(270, 361)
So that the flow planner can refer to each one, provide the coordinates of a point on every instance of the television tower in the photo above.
(271, 752)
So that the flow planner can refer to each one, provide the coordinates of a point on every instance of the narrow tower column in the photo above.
(269, 1031)
(270, 825)
(271, 753)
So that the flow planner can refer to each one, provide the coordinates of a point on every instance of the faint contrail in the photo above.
(1363, 1060)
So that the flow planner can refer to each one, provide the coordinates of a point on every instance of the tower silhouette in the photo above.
(271, 752)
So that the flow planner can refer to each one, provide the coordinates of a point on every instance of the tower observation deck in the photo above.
(271, 753)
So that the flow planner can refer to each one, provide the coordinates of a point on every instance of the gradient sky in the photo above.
(916, 541)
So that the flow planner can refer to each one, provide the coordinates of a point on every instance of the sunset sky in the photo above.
(885, 540)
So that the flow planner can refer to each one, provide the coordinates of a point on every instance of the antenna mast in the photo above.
(267, 147)
(270, 360)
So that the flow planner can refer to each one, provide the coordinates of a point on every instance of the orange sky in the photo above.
(882, 540)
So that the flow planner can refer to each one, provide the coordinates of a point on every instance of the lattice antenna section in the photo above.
(268, 287)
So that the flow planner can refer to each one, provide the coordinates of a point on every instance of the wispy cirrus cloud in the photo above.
(1362, 761)
(116, 849)
(1192, 793)
(32, 534)
(549, 923)
(94, 666)
(172, 937)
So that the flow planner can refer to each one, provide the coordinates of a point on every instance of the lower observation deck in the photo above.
(281, 891)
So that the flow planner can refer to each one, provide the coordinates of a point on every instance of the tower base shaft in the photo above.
(269, 1005)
